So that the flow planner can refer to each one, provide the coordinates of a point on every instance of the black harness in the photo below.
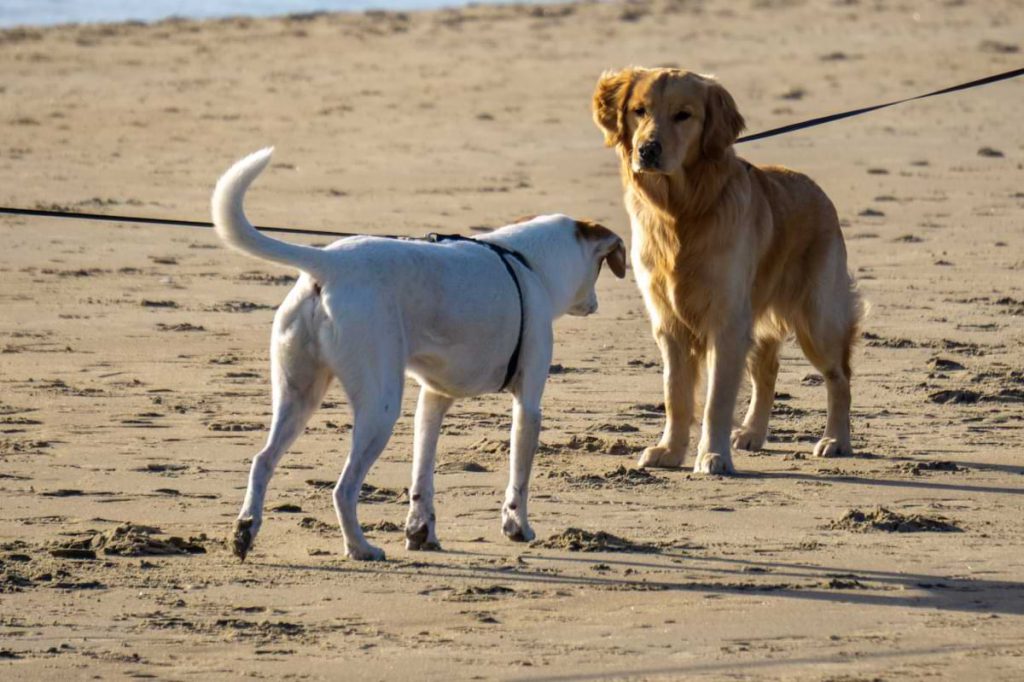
(504, 254)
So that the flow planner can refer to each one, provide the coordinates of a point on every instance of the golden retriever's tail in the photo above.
(860, 309)
(236, 231)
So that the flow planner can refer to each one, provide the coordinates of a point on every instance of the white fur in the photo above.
(367, 310)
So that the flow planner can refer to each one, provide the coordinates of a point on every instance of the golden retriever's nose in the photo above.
(650, 152)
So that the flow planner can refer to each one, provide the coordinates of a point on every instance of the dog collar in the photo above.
(504, 253)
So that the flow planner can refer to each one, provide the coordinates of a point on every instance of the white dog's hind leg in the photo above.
(299, 385)
(420, 525)
(376, 402)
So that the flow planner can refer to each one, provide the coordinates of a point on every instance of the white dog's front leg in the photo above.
(420, 525)
(525, 432)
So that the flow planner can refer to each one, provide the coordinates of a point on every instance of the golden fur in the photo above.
(730, 258)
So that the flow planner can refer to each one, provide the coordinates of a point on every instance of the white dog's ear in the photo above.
(616, 258)
(607, 245)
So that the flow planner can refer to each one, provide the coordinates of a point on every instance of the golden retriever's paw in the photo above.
(661, 457)
(713, 463)
(747, 439)
(365, 553)
(830, 447)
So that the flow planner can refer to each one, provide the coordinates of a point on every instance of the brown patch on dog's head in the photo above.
(663, 120)
(608, 246)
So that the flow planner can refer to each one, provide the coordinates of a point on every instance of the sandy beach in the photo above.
(134, 380)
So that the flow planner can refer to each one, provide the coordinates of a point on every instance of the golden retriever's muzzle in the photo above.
(648, 157)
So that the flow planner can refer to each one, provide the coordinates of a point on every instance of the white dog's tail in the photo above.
(234, 228)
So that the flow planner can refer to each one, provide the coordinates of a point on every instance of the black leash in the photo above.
(160, 221)
(811, 123)
(792, 127)
(504, 253)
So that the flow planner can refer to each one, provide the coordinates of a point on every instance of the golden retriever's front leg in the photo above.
(680, 380)
(726, 354)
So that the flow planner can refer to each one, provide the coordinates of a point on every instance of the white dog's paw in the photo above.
(419, 541)
(517, 531)
(713, 463)
(745, 438)
(245, 534)
(661, 457)
(830, 447)
(420, 534)
(514, 524)
(366, 552)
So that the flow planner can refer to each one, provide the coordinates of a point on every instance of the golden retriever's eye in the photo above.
(681, 116)
(640, 112)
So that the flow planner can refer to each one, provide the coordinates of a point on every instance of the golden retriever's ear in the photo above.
(609, 102)
(722, 121)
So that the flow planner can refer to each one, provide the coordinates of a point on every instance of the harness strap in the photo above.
(504, 254)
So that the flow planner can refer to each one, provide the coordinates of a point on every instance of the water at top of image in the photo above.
(51, 12)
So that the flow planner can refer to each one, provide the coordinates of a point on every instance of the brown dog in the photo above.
(730, 259)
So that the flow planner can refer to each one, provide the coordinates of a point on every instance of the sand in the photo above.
(133, 359)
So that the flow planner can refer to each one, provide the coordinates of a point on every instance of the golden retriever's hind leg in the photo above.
(679, 354)
(830, 353)
(763, 368)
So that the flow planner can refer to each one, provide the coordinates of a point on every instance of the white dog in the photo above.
(463, 317)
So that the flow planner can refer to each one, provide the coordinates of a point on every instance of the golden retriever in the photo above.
(731, 258)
